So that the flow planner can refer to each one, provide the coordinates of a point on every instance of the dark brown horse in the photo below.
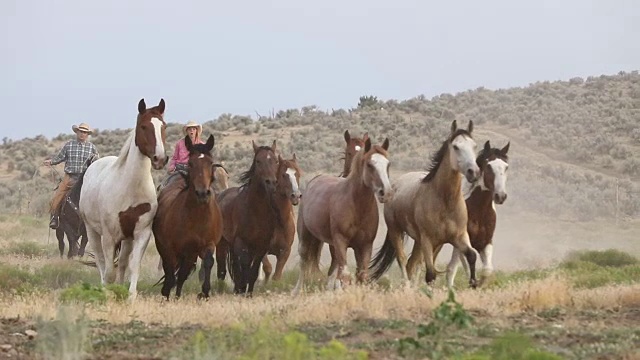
(480, 197)
(250, 218)
(188, 222)
(343, 213)
(71, 224)
(287, 195)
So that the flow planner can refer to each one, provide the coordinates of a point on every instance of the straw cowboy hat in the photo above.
(194, 124)
(82, 127)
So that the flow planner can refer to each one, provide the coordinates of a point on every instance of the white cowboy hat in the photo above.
(194, 124)
(82, 127)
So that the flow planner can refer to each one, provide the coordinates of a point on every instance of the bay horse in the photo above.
(287, 195)
(430, 207)
(188, 222)
(71, 223)
(480, 197)
(249, 217)
(118, 198)
(343, 213)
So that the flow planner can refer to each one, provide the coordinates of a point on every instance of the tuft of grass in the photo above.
(65, 337)
(502, 279)
(17, 279)
(606, 258)
(29, 249)
(511, 346)
(30, 221)
(61, 274)
(84, 293)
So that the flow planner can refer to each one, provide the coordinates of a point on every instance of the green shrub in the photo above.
(17, 279)
(27, 248)
(62, 274)
(84, 293)
(65, 337)
(610, 258)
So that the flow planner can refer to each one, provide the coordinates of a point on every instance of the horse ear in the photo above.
(470, 127)
(294, 157)
(365, 136)
(142, 107)
(187, 143)
(273, 147)
(454, 126)
(487, 146)
(505, 149)
(367, 145)
(385, 144)
(161, 106)
(255, 148)
(210, 142)
(347, 136)
(279, 159)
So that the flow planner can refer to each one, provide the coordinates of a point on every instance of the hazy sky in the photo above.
(65, 62)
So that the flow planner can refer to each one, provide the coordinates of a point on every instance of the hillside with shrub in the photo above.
(575, 144)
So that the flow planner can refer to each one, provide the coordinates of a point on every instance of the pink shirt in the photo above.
(180, 154)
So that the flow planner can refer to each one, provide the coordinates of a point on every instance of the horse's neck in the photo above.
(447, 180)
(134, 166)
(479, 202)
(358, 191)
(283, 204)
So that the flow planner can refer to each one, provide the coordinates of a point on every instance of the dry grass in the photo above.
(331, 307)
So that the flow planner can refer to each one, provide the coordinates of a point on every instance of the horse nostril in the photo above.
(381, 192)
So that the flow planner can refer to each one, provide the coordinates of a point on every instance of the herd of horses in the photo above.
(116, 209)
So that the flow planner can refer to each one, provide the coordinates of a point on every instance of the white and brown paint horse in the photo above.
(118, 198)
(430, 208)
(343, 212)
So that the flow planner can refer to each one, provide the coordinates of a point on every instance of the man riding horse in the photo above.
(75, 154)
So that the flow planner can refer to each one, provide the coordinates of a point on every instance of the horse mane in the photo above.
(485, 155)
(436, 159)
(357, 170)
(245, 177)
(124, 152)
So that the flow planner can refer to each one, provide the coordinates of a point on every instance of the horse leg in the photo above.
(452, 268)
(108, 251)
(140, 242)
(397, 241)
(73, 246)
(242, 266)
(309, 249)
(207, 265)
(222, 249)
(169, 282)
(464, 246)
(335, 279)
(123, 260)
(267, 268)
(60, 237)
(83, 241)
(486, 256)
(282, 260)
(363, 257)
(414, 261)
(96, 245)
(253, 273)
(427, 252)
(186, 265)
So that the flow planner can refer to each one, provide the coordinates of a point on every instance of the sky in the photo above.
(72, 61)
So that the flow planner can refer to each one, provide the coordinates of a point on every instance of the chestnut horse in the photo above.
(118, 198)
(287, 195)
(188, 223)
(249, 217)
(343, 213)
(430, 208)
(353, 145)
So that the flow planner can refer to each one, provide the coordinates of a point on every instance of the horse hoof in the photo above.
(473, 284)
(202, 296)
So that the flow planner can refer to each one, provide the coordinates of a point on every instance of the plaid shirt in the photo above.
(75, 154)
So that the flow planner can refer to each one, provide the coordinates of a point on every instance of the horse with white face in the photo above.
(430, 208)
(118, 199)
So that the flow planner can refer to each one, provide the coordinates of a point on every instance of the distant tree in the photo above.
(368, 102)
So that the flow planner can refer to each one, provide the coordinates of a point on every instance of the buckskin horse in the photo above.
(118, 198)
(249, 217)
(343, 213)
(480, 197)
(430, 207)
(188, 222)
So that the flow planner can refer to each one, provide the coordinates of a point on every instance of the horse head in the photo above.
(352, 147)
(289, 179)
(150, 133)
(462, 151)
(221, 178)
(494, 163)
(375, 169)
(263, 168)
(201, 168)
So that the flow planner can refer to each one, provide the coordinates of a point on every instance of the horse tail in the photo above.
(383, 259)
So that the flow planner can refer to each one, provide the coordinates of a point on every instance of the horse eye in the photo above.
(456, 148)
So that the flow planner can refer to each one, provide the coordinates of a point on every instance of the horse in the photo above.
(118, 198)
(480, 197)
(287, 195)
(430, 207)
(188, 222)
(71, 224)
(353, 145)
(250, 218)
(343, 213)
